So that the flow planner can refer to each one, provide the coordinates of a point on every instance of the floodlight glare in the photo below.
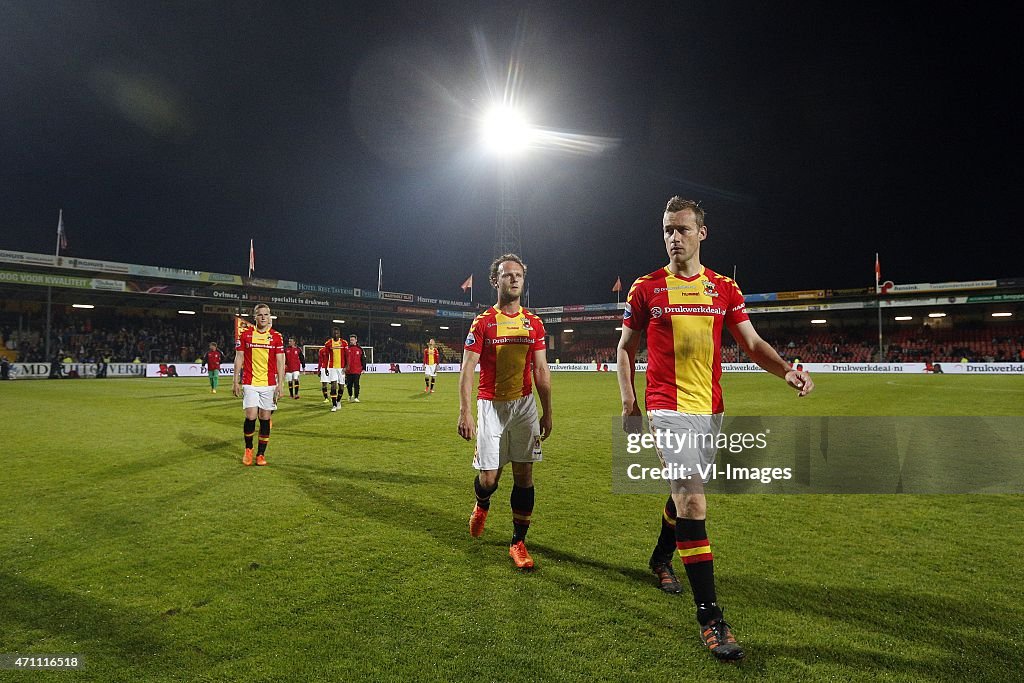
(505, 131)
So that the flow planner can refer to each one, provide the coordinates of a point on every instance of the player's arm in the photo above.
(467, 427)
(280, 375)
(542, 378)
(236, 388)
(625, 369)
(762, 353)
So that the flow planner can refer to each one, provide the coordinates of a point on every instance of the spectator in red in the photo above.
(354, 368)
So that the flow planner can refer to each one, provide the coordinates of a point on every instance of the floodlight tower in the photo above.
(507, 135)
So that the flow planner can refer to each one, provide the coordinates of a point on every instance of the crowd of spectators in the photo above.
(183, 340)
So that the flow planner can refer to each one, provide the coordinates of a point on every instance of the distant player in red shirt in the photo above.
(259, 375)
(354, 367)
(509, 342)
(682, 308)
(293, 366)
(337, 348)
(211, 361)
(323, 367)
(431, 359)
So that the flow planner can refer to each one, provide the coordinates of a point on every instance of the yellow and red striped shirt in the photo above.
(506, 344)
(261, 349)
(683, 319)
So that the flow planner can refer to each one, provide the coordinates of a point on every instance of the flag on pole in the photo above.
(878, 274)
(380, 273)
(617, 287)
(468, 284)
(62, 237)
(252, 258)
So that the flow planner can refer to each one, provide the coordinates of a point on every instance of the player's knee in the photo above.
(523, 474)
(488, 478)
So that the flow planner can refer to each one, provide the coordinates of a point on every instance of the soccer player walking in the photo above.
(323, 366)
(211, 361)
(682, 308)
(354, 366)
(431, 357)
(258, 378)
(337, 348)
(509, 343)
(293, 366)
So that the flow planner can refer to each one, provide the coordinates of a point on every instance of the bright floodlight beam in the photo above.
(505, 131)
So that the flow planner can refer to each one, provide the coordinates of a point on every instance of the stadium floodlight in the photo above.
(904, 317)
(82, 306)
(1001, 315)
(505, 131)
(273, 317)
(187, 312)
(396, 324)
(443, 327)
(818, 321)
(568, 331)
(936, 315)
(337, 321)
(618, 329)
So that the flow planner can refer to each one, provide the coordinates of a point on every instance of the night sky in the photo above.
(337, 133)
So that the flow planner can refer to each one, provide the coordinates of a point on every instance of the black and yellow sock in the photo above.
(431, 383)
(695, 551)
(248, 430)
(522, 509)
(264, 437)
(483, 495)
(667, 539)
(323, 388)
(291, 388)
(334, 393)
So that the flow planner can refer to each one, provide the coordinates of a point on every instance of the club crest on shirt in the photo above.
(656, 312)
(526, 324)
(470, 339)
(709, 288)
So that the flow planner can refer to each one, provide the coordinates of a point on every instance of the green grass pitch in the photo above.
(131, 534)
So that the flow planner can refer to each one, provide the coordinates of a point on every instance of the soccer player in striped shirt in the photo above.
(258, 378)
(336, 359)
(682, 308)
(509, 342)
(431, 357)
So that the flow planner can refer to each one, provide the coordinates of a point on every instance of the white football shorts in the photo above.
(258, 397)
(336, 375)
(692, 440)
(325, 375)
(430, 370)
(506, 431)
(292, 376)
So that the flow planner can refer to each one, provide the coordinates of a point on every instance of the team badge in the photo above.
(526, 324)
(656, 312)
(709, 288)
(470, 339)
(628, 312)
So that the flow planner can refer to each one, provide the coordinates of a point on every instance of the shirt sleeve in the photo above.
(635, 315)
(540, 340)
(475, 338)
(238, 342)
(737, 311)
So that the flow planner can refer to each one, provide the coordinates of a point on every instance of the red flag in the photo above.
(252, 258)
(878, 272)
(617, 287)
(468, 284)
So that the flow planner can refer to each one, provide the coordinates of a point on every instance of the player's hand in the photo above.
(801, 381)
(545, 427)
(236, 389)
(467, 428)
(277, 392)
(632, 419)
